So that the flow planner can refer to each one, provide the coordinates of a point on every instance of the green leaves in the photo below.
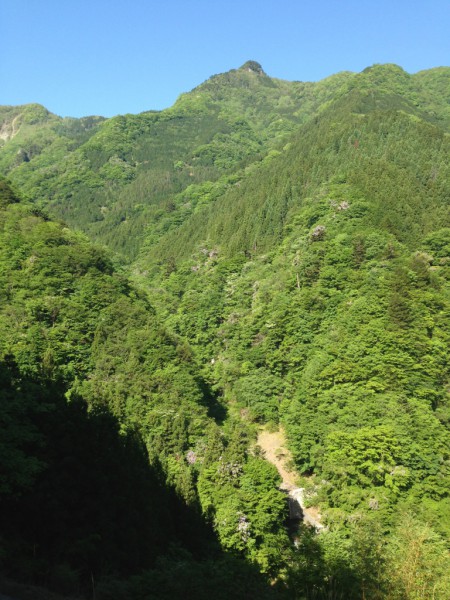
(418, 564)
(368, 457)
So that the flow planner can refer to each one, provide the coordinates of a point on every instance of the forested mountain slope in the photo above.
(93, 389)
(316, 293)
(327, 141)
(125, 171)
(113, 178)
(291, 250)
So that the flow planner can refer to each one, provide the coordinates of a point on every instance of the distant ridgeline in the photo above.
(272, 252)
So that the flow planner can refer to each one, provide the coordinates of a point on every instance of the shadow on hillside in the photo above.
(83, 513)
(211, 400)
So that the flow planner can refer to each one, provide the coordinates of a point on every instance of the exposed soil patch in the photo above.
(274, 448)
(275, 451)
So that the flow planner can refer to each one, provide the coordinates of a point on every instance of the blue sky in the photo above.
(108, 57)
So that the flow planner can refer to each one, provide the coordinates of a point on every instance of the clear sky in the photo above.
(82, 57)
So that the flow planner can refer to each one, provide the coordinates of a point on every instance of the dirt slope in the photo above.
(275, 451)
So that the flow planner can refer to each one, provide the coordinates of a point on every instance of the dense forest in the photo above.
(263, 256)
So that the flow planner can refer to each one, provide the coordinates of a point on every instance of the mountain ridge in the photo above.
(285, 265)
(218, 127)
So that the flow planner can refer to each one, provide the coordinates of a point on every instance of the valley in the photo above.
(207, 308)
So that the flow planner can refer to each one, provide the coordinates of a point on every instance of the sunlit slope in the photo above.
(114, 178)
(111, 178)
(314, 290)
(375, 143)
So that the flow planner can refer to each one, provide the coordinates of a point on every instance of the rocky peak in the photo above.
(253, 67)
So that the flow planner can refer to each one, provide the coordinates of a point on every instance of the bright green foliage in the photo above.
(418, 564)
(87, 372)
(316, 293)
(369, 458)
(113, 177)
(239, 495)
(292, 241)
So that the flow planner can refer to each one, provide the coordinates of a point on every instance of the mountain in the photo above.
(336, 242)
(313, 287)
(111, 177)
(284, 252)
(114, 177)
(352, 132)
(105, 425)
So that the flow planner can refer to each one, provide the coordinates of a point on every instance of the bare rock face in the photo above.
(298, 511)
(8, 129)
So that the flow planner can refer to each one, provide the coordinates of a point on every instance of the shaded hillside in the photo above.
(83, 513)
(106, 427)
